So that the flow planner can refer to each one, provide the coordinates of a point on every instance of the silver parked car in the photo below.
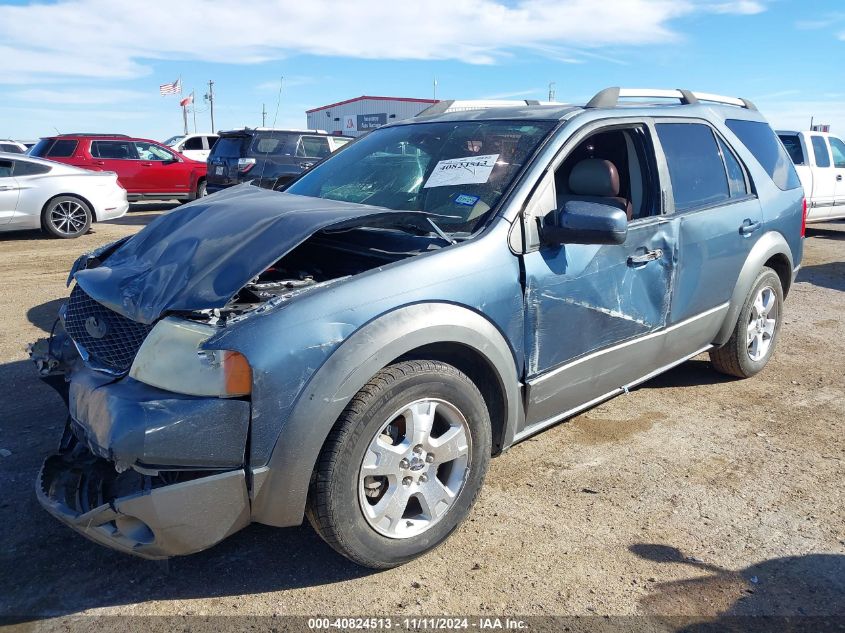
(59, 199)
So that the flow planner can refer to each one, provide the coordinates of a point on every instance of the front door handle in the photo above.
(147, 164)
(650, 256)
(8, 188)
(305, 165)
(838, 177)
(99, 162)
(748, 227)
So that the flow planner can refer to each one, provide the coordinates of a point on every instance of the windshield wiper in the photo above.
(440, 231)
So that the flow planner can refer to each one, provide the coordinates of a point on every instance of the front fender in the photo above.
(769, 245)
(280, 488)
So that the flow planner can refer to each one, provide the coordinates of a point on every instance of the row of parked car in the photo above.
(64, 202)
(36, 192)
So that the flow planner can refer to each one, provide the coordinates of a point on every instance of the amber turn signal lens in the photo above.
(238, 374)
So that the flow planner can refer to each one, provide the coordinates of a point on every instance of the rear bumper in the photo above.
(139, 514)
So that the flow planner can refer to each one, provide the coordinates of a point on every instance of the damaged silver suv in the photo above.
(356, 348)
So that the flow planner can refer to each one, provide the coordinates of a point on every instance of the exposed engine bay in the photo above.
(326, 257)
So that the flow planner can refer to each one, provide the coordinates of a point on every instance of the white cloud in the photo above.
(115, 40)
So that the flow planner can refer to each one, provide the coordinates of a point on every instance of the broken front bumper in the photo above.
(170, 514)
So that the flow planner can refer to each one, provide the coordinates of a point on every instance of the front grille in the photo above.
(109, 339)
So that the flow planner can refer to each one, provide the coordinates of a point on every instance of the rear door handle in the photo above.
(650, 256)
(99, 162)
(305, 165)
(147, 164)
(748, 227)
(838, 177)
(8, 188)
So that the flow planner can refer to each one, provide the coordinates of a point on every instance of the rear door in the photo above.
(824, 179)
(837, 150)
(312, 149)
(120, 157)
(720, 220)
(9, 192)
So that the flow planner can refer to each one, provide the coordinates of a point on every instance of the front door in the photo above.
(837, 150)
(824, 180)
(161, 170)
(594, 312)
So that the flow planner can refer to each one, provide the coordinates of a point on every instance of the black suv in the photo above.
(270, 158)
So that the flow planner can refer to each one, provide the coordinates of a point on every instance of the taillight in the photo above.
(804, 218)
(245, 164)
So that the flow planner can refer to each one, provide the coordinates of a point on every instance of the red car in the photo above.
(146, 169)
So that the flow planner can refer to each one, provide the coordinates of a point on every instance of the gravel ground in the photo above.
(694, 495)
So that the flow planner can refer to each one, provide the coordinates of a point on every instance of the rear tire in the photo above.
(753, 340)
(66, 217)
(202, 192)
(384, 489)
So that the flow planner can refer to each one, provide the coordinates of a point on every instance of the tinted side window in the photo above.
(736, 175)
(275, 144)
(5, 168)
(820, 151)
(837, 148)
(114, 150)
(62, 149)
(193, 143)
(695, 165)
(793, 147)
(41, 147)
(763, 143)
(313, 147)
(25, 168)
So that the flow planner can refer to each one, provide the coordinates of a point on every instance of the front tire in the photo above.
(753, 340)
(66, 217)
(403, 465)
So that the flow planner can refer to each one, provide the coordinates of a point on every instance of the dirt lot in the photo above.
(695, 494)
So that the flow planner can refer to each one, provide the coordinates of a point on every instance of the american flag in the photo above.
(171, 89)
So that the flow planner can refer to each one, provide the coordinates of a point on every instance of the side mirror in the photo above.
(582, 222)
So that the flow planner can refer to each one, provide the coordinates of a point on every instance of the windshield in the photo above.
(458, 170)
(173, 140)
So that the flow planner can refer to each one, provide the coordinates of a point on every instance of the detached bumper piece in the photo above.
(170, 514)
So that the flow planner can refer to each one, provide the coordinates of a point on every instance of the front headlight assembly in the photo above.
(171, 358)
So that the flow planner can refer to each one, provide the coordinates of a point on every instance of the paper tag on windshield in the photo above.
(462, 171)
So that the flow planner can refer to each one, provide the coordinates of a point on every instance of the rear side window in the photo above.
(113, 150)
(763, 143)
(837, 148)
(793, 147)
(230, 146)
(193, 143)
(5, 168)
(54, 148)
(313, 147)
(279, 144)
(820, 151)
(695, 165)
(25, 168)
(62, 149)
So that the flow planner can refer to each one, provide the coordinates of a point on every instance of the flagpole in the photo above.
(194, 109)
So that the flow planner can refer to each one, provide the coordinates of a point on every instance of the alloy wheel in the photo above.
(762, 321)
(68, 217)
(414, 468)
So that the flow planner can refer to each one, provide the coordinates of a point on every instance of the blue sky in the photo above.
(95, 65)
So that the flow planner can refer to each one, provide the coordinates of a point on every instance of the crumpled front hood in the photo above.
(199, 256)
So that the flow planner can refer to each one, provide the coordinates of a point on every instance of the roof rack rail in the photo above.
(609, 97)
(462, 105)
(93, 134)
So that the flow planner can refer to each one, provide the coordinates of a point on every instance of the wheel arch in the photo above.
(70, 195)
(771, 250)
(446, 332)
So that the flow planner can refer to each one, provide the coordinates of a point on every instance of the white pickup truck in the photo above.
(819, 158)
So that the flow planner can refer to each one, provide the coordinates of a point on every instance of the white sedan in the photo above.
(59, 199)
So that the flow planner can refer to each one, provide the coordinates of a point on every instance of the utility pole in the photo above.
(435, 89)
(210, 98)
(194, 109)
(263, 115)
(552, 91)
